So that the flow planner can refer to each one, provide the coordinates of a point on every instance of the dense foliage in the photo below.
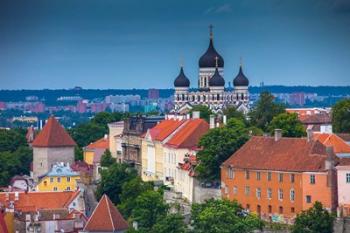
(314, 220)
(341, 116)
(289, 124)
(107, 159)
(222, 216)
(264, 111)
(205, 112)
(15, 155)
(218, 145)
(172, 223)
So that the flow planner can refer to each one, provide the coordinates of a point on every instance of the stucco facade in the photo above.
(343, 181)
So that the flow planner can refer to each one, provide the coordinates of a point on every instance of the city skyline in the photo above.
(134, 44)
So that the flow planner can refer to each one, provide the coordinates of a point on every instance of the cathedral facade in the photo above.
(211, 90)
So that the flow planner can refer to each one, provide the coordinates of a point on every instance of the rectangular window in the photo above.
(58, 179)
(292, 195)
(269, 176)
(235, 190)
(312, 179)
(281, 210)
(258, 193)
(68, 189)
(230, 173)
(68, 179)
(248, 207)
(269, 193)
(348, 178)
(247, 174)
(292, 178)
(258, 177)
(51, 179)
(270, 209)
(292, 210)
(280, 194)
(280, 177)
(247, 190)
(54, 188)
(308, 199)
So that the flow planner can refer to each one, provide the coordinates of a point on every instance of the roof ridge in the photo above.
(109, 211)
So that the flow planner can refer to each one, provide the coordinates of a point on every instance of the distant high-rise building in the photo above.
(297, 98)
(153, 93)
(211, 85)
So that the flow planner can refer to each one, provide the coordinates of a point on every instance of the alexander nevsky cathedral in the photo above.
(211, 86)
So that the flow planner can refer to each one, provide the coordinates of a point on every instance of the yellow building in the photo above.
(60, 178)
(94, 151)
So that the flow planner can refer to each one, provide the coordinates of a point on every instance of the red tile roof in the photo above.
(344, 162)
(328, 139)
(189, 135)
(53, 135)
(102, 143)
(163, 129)
(105, 218)
(34, 201)
(286, 154)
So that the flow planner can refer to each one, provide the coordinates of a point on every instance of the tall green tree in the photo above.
(11, 139)
(172, 223)
(232, 112)
(113, 179)
(222, 216)
(205, 112)
(314, 220)
(107, 159)
(218, 145)
(289, 124)
(341, 116)
(86, 133)
(264, 111)
(149, 209)
(130, 191)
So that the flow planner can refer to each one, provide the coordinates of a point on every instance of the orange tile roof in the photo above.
(34, 201)
(189, 135)
(286, 154)
(328, 139)
(53, 135)
(102, 143)
(106, 218)
(163, 129)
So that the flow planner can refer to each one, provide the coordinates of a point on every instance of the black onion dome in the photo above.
(182, 80)
(217, 80)
(241, 79)
(208, 58)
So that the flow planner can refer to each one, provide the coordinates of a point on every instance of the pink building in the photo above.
(343, 176)
(2, 105)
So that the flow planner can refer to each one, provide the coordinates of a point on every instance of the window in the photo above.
(292, 178)
(230, 173)
(51, 180)
(348, 178)
(247, 174)
(258, 176)
(68, 179)
(235, 190)
(308, 199)
(269, 176)
(258, 193)
(280, 177)
(247, 190)
(247, 206)
(54, 188)
(68, 188)
(280, 194)
(58, 179)
(45, 183)
(292, 195)
(312, 179)
(281, 210)
(292, 210)
(269, 193)
(269, 209)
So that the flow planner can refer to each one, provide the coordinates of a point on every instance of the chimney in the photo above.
(212, 122)
(224, 119)
(196, 114)
(278, 134)
(188, 116)
(106, 136)
(329, 162)
(309, 135)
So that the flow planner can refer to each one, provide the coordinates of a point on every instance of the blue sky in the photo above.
(138, 44)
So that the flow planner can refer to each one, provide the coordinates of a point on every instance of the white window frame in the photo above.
(292, 195)
(280, 194)
(269, 193)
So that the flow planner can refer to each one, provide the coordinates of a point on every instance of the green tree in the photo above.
(149, 209)
(222, 216)
(107, 159)
(86, 133)
(130, 191)
(205, 112)
(341, 116)
(218, 145)
(314, 220)
(78, 153)
(172, 223)
(232, 112)
(264, 111)
(289, 124)
(10, 140)
(112, 180)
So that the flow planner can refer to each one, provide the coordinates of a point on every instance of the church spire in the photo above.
(211, 31)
